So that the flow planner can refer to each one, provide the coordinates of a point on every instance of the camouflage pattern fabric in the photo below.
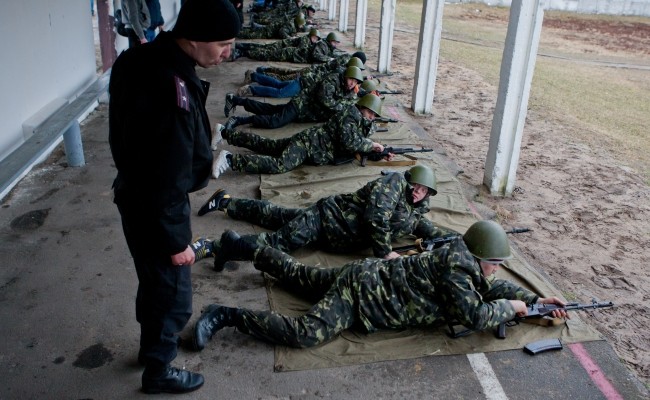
(281, 29)
(370, 217)
(343, 135)
(306, 52)
(281, 50)
(327, 98)
(371, 294)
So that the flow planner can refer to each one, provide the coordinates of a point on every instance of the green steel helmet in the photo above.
(371, 102)
(356, 62)
(314, 32)
(369, 86)
(332, 36)
(355, 73)
(423, 175)
(487, 240)
(299, 20)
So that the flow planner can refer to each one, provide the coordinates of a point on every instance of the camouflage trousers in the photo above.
(334, 311)
(277, 156)
(253, 33)
(282, 74)
(294, 227)
(288, 54)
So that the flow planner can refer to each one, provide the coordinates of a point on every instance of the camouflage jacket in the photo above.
(340, 137)
(373, 216)
(325, 99)
(427, 288)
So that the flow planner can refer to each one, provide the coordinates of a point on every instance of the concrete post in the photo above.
(517, 66)
(360, 24)
(106, 35)
(386, 29)
(343, 15)
(426, 68)
(332, 10)
(322, 5)
(74, 149)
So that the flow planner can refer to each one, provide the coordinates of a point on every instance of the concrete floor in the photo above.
(67, 289)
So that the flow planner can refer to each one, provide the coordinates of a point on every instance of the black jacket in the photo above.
(159, 133)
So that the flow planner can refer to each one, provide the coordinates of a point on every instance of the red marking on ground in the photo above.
(594, 371)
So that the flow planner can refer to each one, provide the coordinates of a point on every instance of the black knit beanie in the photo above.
(207, 21)
(360, 55)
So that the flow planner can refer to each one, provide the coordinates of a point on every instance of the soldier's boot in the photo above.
(248, 76)
(244, 91)
(218, 201)
(222, 164)
(233, 247)
(169, 379)
(234, 122)
(231, 104)
(203, 248)
(214, 318)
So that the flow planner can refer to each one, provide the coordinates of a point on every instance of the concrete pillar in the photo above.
(426, 67)
(106, 34)
(360, 24)
(74, 149)
(517, 66)
(322, 5)
(343, 15)
(386, 29)
(332, 10)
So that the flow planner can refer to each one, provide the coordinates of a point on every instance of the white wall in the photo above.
(47, 52)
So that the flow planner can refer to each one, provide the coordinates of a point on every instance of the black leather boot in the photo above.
(214, 318)
(170, 380)
(233, 247)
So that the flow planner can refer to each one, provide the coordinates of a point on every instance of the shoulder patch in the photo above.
(182, 99)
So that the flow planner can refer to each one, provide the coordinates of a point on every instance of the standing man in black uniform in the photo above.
(159, 133)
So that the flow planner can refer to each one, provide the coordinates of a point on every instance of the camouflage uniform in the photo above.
(371, 294)
(305, 52)
(281, 29)
(315, 104)
(370, 217)
(341, 136)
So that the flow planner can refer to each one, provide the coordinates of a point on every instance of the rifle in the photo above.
(390, 92)
(376, 156)
(385, 119)
(536, 312)
(430, 244)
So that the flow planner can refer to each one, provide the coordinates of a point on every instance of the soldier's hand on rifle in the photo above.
(556, 301)
(520, 307)
(377, 147)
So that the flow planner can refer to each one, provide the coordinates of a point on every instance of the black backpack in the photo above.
(120, 28)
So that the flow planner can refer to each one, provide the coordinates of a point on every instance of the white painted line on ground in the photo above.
(486, 377)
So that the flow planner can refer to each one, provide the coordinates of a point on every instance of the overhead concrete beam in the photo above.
(426, 68)
(386, 31)
(517, 66)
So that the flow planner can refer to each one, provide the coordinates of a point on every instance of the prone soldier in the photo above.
(451, 282)
(343, 135)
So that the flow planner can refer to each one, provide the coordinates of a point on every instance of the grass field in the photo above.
(572, 79)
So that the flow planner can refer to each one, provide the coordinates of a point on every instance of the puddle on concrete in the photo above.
(30, 220)
(94, 356)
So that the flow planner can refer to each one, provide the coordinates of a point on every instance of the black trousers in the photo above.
(163, 303)
(270, 115)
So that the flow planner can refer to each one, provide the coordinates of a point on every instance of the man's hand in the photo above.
(391, 255)
(520, 307)
(184, 258)
(556, 301)
(377, 147)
